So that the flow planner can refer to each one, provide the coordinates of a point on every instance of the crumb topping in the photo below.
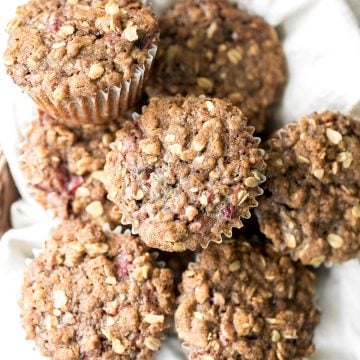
(95, 294)
(242, 302)
(312, 194)
(75, 48)
(211, 47)
(185, 172)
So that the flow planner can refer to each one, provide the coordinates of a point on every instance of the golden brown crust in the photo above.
(242, 302)
(185, 172)
(311, 208)
(96, 295)
(211, 47)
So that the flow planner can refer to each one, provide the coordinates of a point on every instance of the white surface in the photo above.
(322, 44)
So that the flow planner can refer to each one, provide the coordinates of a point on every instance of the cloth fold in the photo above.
(322, 45)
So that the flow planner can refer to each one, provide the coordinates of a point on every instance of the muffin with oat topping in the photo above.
(243, 302)
(64, 167)
(311, 207)
(185, 172)
(84, 61)
(93, 294)
(211, 47)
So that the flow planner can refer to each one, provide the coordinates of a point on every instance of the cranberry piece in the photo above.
(62, 175)
(45, 189)
(209, 195)
(139, 215)
(74, 183)
(122, 265)
(110, 38)
(53, 26)
(128, 144)
(228, 211)
(69, 183)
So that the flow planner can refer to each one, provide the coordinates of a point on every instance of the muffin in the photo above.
(95, 295)
(311, 207)
(243, 302)
(64, 168)
(83, 61)
(211, 47)
(184, 172)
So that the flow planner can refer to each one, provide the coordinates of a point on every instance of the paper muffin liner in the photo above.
(105, 105)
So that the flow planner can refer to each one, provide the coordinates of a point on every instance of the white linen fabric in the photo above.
(322, 45)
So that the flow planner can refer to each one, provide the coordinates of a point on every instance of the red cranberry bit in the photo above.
(139, 215)
(53, 26)
(45, 189)
(128, 144)
(75, 182)
(228, 211)
(209, 195)
(111, 37)
(122, 265)
(68, 183)
(62, 176)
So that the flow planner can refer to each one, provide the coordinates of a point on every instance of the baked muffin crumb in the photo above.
(184, 172)
(211, 47)
(310, 207)
(93, 294)
(64, 168)
(243, 302)
(75, 48)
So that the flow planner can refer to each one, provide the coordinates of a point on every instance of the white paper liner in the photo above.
(105, 105)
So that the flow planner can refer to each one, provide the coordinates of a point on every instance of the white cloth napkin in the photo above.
(322, 44)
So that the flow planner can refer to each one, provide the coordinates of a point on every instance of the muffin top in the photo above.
(64, 167)
(242, 302)
(311, 207)
(73, 48)
(185, 171)
(211, 47)
(93, 294)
